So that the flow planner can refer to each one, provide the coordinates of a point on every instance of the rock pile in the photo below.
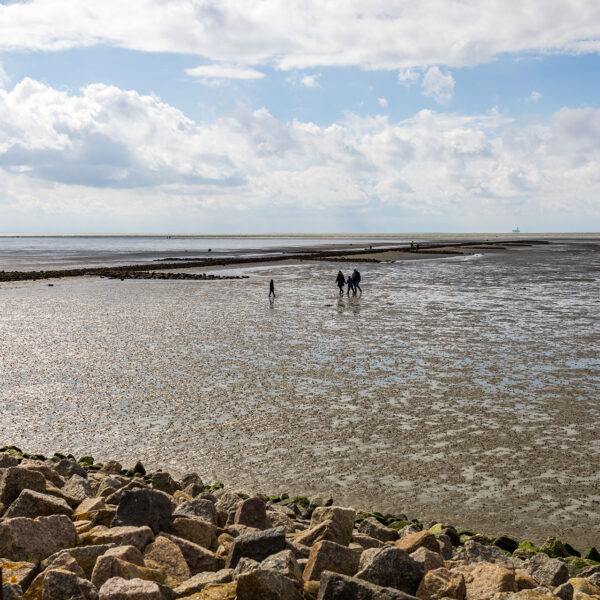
(75, 530)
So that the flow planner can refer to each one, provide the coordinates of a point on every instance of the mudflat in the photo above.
(463, 389)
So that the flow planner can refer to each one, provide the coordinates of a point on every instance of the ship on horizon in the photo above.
(516, 230)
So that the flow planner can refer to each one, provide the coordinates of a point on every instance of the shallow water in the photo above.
(465, 390)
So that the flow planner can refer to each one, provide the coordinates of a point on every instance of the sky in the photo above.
(272, 116)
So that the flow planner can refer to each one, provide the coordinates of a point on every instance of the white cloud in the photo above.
(4, 79)
(300, 34)
(310, 81)
(222, 71)
(534, 97)
(382, 102)
(408, 76)
(438, 85)
(63, 152)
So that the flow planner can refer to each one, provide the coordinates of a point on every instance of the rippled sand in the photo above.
(462, 390)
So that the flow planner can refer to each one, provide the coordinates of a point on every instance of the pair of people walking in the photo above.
(352, 281)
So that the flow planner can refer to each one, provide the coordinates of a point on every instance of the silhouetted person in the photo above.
(350, 285)
(271, 289)
(356, 280)
(340, 280)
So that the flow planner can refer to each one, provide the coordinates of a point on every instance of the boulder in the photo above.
(446, 547)
(199, 507)
(285, 562)
(193, 489)
(327, 530)
(164, 555)
(78, 487)
(441, 583)
(109, 485)
(427, 559)
(132, 589)
(487, 579)
(115, 497)
(195, 530)
(68, 467)
(6, 460)
(197, 558)
(329, 556)
(48, 472)
(475, 552)
(252, 512)
(257, 545)
(86, 557)
(219, 591)
(64, 585)
(366, 541)
(198, 582)
(32, 504)
(506, 543)
(546, 570)
(342, 517)
(11, 591)
(14, 480)
(265, 584)
(373, 528)
(190, 478)
(145, 507)
(164, 483)
(111, 467)
(109, 566)
(335, 586)
(139, 537)
(583, 587)
(26, 539)
(390, 567)
(524, 580)
(21, 573)
(414, 541)
(245, 565)
(87, 506)
(228, 501)
(139, 468)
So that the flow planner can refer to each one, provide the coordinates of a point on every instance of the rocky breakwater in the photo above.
(75, 530)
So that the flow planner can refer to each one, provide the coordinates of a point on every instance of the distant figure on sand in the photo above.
(340, 280)
(271, 289)
(356, 280)
(350, 285)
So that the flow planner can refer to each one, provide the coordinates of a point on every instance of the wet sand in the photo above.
(463, 389)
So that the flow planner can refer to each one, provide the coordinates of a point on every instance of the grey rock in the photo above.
(408, 530)
(63, 585)
(115, 497)
(78, 487)
(164, 483)
(341, 587)
(372, 527)
(21, 574)
(139, 468)
(285, 562)
(6, 460)
(564, 591)
(26, 539)
(546, 570)
(111, 467)
(323, 499)
(118, 588)
(245, 565)
(257, 546)
(475, 552)
(193, 490)
(198, 582)
(32, 504)
(190, 478)
(68, 467)
(342, 517)
(446, 547)
(390, 567)
(111, 482)
(261, 584)
(86, 556)
(197, 558)
(251, 512)
(427, 559)
(14, 480)
(145, 507)
(198, 507)
(11, 591)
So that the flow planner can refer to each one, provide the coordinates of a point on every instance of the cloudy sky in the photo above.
(299, 115)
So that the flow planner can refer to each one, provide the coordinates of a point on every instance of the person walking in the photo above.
(350, 285)
(271, 289)
(356, 280)
(340, 280)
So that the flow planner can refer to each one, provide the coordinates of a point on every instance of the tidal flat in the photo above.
(463, 389)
